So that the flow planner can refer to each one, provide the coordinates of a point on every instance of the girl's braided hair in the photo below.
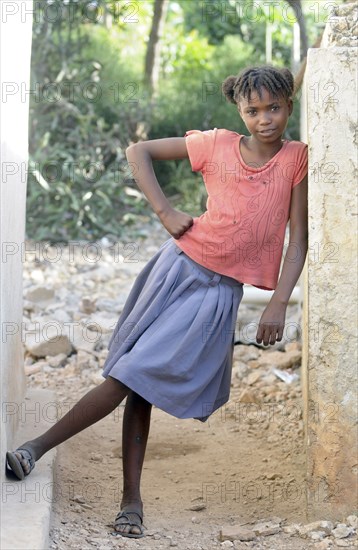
(278, 82)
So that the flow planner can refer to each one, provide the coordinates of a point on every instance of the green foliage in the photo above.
(90, 104)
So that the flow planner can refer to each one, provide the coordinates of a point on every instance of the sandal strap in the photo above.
(27, 456)
(123, 514)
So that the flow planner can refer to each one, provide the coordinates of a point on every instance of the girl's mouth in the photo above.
(267, 132)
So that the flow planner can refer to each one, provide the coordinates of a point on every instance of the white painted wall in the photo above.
(16, 36)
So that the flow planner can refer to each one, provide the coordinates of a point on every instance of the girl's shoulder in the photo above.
(295, 145)
(213, 132)
(296, 151)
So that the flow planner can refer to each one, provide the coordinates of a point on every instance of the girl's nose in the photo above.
(265, 119)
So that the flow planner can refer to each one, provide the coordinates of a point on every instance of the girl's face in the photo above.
(266, 118)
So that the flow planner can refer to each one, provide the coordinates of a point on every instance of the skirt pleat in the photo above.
(173, 342)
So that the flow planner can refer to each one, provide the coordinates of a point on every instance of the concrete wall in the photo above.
(331, 284)
(16, 34)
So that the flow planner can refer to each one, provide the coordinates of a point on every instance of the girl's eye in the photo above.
(275, 107)
(251, 112)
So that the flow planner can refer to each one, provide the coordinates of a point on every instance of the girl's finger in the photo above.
(280, 333)
(266, 335)
(273, 335)
(259, 334)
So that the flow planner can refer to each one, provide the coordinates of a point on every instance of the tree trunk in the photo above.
(152, 58)
(297, 8)
(301, 72)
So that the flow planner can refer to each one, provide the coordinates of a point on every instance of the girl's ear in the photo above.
(290, 107)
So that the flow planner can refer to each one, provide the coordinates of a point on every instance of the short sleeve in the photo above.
(301, 164)
(200, 147)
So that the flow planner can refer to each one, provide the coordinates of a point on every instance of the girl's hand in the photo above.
(175, 222)
(271, 324)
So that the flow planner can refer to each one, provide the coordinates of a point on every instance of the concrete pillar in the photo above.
(330, 330)
(16, 36)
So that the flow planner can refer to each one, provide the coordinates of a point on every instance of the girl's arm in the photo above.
(140, 157)
(273, 319)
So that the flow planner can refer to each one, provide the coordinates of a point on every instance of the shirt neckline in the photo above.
(252, 168)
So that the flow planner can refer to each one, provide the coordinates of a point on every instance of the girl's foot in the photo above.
(21, 462)
(129, 521)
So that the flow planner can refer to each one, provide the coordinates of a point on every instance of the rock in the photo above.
(197, 507)
(194, 519)
(101, 274)
(293, 346)
(240, 370)
(57, 360)
(342, 531)
(87, 506)
(61, 316)
(102, 322)
(40, 294)
(266, 528)
(254, 364)
(342, 543)
(87, 306)
(108, 304)
(281, 360)
(85, 360)
(272, 475)
(253, 377)
(248, 396)
(78, 498)
(226, 544)
(325, 526)
(49, 340)
(292, 529)
(98, 540)
(82, 338)
(246, 353)
(353, 521)
(29, 306)
(317, 535)
(345, 9)
(76, 508)
(268, 379)
(232, 533)
(323, 545)
(34, 368)
(96, 457)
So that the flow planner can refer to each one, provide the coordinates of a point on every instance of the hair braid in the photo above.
(278, 82)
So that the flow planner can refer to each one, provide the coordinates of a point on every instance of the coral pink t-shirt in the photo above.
(241, 234)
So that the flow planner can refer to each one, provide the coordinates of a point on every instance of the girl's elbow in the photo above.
(131, 147)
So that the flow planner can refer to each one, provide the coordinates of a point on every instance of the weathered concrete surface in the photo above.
(330, 348)
(26, 505)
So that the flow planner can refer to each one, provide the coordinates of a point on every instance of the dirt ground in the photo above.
(238, 470)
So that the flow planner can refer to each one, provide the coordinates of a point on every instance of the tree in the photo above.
(152, 58)
(297, 8)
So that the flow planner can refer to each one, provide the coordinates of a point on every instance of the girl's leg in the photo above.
(136, 423)
(93, 406)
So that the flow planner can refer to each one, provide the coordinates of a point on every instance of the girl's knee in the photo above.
(137, 399)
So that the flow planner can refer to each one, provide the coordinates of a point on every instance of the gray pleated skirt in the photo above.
(173, 342)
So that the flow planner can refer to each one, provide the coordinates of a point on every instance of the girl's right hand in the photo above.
(176, 222)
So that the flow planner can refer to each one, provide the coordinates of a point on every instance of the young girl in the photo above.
(173, 343)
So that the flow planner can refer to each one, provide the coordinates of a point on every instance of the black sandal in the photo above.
(124, 515)
(14, 465)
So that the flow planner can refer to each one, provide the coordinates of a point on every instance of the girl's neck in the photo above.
(259, 152)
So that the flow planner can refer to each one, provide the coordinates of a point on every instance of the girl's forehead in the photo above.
(266, 98)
